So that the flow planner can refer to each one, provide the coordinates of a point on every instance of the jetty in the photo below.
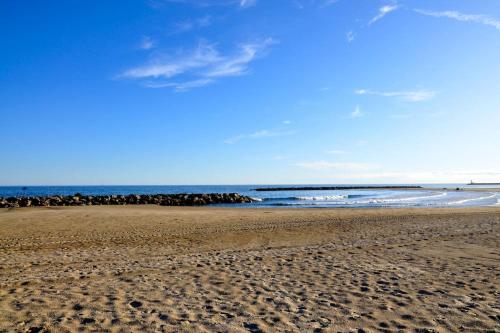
(335, 188)
(131, 199)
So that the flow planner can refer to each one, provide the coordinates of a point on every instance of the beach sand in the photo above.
(153, 269)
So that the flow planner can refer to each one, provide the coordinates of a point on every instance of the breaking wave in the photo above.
(463, 201)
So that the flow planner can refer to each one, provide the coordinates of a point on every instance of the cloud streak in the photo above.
(197, 68)
(350, 36)
(180, 86)
(147, 43)
(247, 3)
(191, 24)
(410, 96)
(482, 19)
(382, 12)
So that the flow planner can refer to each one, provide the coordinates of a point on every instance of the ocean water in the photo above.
(435, 196)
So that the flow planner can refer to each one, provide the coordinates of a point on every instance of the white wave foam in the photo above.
(425, 197)
(256, 199)
(324, 197)
(395, 200)
(461, 202)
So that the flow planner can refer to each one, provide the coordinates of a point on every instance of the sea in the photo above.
(434, 195)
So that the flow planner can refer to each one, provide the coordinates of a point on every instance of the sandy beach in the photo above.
(172, 269)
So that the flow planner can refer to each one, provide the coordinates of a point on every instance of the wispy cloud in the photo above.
(323, 165)
(238, 64)
(350, 36)
(265, 133)
(247, 3)
(483, 19)
(147, 43)
(197, 68)
(180, 86)
(383, 11)
(191, 24)
(410, 96)
(287, 122)
(356, 113)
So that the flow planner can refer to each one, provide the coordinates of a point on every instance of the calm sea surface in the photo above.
(434, 197)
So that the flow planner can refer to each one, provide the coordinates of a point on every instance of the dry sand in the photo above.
(148, 269)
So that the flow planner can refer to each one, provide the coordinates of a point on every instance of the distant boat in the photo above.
(472, 183)
(24, 188)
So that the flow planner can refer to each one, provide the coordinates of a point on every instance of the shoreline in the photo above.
(209, 199)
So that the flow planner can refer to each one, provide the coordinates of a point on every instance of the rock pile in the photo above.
(131, 199)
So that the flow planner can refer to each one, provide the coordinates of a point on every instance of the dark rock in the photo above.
(87, 320)
(135, 304)
(77, 307)
(425, 292)
(253, 328)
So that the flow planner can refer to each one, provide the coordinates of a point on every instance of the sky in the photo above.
(249, 92)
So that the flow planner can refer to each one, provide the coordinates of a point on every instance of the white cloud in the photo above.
(350, 36)
(181, 86)
(410, 96)
(323, 165)
(247, 3)
(190, 24)
(198, 67)
(204, 55)
(287, 122)
(265, 133)
(483, 19)
(357, 113)
(383, 11)
(147, 43)
(238, 64)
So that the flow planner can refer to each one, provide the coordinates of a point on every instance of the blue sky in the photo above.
(250, 91)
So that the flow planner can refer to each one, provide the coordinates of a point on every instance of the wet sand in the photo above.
(154, 269)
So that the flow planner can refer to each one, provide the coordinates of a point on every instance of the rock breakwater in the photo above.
(335, 188)
(131, 199)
